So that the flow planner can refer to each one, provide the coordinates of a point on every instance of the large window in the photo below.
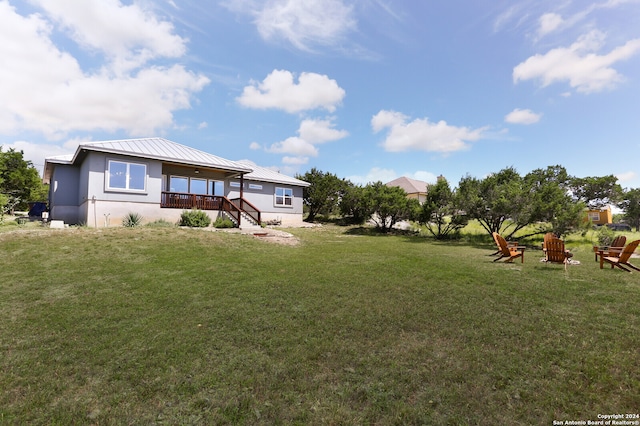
(196, 185)
(122, 175)
(284, 197)
(179, 184)
(216, 187)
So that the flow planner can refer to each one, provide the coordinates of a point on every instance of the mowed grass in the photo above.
(180, 326)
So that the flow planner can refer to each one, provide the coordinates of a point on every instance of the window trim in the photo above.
(284, 197)
(107, 181)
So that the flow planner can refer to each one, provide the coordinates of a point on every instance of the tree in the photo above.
(389, 205)
(498, 201)
(324, 193)
(596, 192)
(550, 201)
(630, 204)
(19, 180)
(440, 213)
(354, 204)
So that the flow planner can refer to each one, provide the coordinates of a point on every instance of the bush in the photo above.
(131, 220)
(195, 219)
(605, 236)
(160, 223)
(223, 222)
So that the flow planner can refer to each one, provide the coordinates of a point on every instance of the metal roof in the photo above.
(263, 174)
(165, 150)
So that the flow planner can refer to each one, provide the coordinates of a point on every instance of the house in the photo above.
(600, 216)
(414, 188)
(102, 182)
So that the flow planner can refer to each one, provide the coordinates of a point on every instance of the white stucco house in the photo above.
(102, 182)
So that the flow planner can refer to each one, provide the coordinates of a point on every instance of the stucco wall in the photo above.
(63, 194)
(264, 199)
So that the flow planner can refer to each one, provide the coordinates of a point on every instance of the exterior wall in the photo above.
(604, 216)
(264, 199)
(63, 194)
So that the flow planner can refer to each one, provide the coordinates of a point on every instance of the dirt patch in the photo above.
(276, 236)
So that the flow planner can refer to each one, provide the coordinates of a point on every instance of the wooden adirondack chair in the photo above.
(499, 251)
(555, 251)
(614, 249)
(621, 260)
(512, 252)
(550, 236)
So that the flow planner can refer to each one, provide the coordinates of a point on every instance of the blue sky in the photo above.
(368, 90)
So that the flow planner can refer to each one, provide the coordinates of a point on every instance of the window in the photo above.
(216, 187)
(284, 197)
(594, 216)
(198, 186)
(255, 186)
(179, 184)
(122, 175)
(234, 184)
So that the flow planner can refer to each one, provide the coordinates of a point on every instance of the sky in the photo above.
(369, 90)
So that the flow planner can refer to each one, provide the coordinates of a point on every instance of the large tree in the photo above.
(596, 192)
(389, 205)
(354, 204)
(19, 180)
(630, 204)
(497, 202)
(440, 212)
(324, 193)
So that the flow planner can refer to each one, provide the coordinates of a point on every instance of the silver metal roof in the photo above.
(263, 174)
(165, 150)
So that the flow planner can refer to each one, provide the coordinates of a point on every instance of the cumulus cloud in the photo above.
(548, 23)
(374, 175)
(627, 176)
(279, 91)
(310, 133)
(255, 146)
(295, 161)
(66, 95)
(522, 116)
(421, 134)
(579, 64)
(304, 24)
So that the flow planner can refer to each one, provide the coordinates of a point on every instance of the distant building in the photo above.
(600, 216)
(414, 188)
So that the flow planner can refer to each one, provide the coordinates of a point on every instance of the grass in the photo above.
(179, 326)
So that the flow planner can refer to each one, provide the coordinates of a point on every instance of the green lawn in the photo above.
(180, 326)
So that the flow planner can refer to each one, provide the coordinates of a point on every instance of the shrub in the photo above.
(131, 220)
(195, 218)
(160, 223)
(223, 222)
(605, 235)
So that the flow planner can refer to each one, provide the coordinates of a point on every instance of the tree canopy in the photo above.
(440, 212)
(324, 193)
(20, 182)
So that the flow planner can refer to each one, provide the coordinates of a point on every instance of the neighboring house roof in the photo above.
(263, 174)
(410, 186)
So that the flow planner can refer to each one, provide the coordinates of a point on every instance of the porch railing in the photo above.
(248, 208)
(180, 200)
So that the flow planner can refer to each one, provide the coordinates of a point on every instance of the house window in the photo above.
(284, 197)
(594, 216)
(122, 175)
(254, 186)
(198, 186)
(216, 187)
(234, 184)
(179, 184)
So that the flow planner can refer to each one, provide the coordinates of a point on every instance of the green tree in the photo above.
(596, 192)
(354, 205)
(324, 193)
(630, 204)
(389, 205)
(498, 202)
(550, 202)
(440, 213)
(19, 180)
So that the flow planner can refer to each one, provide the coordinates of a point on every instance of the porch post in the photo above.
(241, 197)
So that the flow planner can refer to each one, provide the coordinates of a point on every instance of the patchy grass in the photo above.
(181, 326)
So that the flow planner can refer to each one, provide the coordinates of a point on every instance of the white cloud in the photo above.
(421, 134)
(203, 125)
(52, 94)
(36, 153)
(579, 64)
(626, 177)
(424, 176)
(320, 131)
(255, 146)
(374, 175)
(295, 161)
(303, 23)
(295, 146)
(522, 116)
(278, 90)
(549, 22)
